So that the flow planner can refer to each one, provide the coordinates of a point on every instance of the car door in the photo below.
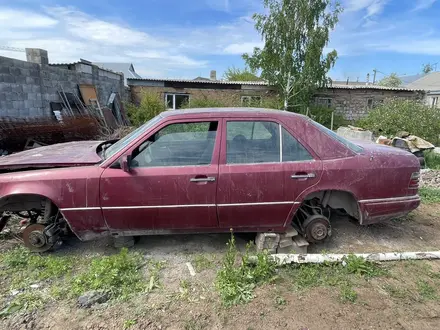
(301, 167)
(251, 178)
(172, 182)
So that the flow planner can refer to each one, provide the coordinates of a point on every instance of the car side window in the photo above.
(252, 142)
(179, 144)
(293, 151)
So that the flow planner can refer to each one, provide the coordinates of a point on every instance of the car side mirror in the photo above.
(125, 163)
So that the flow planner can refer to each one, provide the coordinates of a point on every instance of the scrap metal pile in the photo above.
(17, 134)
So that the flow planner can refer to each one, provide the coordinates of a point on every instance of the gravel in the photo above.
(430, 178)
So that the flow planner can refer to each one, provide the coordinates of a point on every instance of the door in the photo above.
(172, 181)
(302, 170)
(251, 178)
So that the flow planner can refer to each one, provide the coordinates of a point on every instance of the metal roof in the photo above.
(429, 82)
(264, 83)
(221, 82)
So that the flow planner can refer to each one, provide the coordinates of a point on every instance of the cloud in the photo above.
(16, 19)
(423, 4)
(87, 27)
(371, 7)
(173, 60)
(241, 48)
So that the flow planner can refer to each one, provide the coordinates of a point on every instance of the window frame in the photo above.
(174, 99)
(368, 106)
(328, 104)
(223, 155)
(249, 97)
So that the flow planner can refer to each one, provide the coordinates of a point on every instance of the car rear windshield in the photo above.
(126, 140)
(352, 146)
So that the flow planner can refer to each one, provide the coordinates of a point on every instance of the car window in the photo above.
(252, 142)
(180, 144)
(293, 151)
(125, 141)
(348, 144)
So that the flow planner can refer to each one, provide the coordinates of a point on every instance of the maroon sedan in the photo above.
(206, 171)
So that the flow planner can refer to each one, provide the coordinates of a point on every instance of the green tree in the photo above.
(295, 34)
(427, 68)
(236, 74)
(391, 81)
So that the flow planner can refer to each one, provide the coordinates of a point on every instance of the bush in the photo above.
(323, 116)
(150, 106)
(396, 115)
(432, 160)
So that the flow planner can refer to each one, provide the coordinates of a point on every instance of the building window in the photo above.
(324, 102)
(434, 102)
(176, 101)
(370, 103)
(250, 101)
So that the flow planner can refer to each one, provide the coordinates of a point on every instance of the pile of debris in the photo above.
(430, 178)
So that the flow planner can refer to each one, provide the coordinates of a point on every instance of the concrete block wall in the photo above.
(26, 89)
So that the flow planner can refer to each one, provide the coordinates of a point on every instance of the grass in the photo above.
(341, 275)
(426, 291)
(120, 275)
(202, 262)
(429, 195)
(236, 282)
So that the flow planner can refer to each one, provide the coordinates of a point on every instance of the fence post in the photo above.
(333, 118)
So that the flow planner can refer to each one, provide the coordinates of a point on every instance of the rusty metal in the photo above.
(14, 132)
(35, 239)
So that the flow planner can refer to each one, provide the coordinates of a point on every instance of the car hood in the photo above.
(56, 155)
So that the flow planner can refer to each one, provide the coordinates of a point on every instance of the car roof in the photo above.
(235, 112)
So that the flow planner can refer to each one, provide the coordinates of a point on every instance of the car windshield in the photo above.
(126, 140)
(348, 144)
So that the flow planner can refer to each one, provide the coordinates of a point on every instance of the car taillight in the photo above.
(415, 178)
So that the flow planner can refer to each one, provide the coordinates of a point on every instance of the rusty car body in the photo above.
(206, 171)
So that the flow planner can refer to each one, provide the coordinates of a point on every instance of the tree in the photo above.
(391, 81)
(246, 74)
(427, 68)
(295, 34)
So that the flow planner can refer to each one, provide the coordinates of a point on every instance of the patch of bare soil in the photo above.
(397, 301)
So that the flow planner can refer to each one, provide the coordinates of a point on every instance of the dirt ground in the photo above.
(277, 305)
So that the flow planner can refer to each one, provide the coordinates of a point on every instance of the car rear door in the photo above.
(172, 181)
(302, 169)
(251, 178)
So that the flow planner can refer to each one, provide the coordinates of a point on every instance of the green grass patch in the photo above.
(429, 195)
(119, 274)
(341, 275)
(202, 262)
(25, 267)
(236, 282)
(27, 301)
(426, 291)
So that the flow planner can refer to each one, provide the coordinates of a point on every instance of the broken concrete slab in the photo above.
(285, 242)
(289, 233)
(90, 298)
(267, 241)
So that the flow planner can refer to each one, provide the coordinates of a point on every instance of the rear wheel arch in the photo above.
(337, 199)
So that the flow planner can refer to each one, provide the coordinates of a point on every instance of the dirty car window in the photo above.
(251, 142)
(180, 144)
(335, 136)
(293, 151)
(125, 141)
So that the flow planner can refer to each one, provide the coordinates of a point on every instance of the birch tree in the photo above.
(294, 57)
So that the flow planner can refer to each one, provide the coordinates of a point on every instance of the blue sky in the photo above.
(188, 38)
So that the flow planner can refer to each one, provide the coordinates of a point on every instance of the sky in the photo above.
(188, 38)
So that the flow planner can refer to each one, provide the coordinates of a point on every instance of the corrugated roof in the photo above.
(429, 82)
(263, 83)
(222, 82)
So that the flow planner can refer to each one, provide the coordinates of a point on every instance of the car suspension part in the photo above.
(312, 221)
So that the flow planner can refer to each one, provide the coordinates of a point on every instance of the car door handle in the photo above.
(205, 179)
(303, 176)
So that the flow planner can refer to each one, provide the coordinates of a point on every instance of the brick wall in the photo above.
(26, 89)
(353, 104)
(228, 97)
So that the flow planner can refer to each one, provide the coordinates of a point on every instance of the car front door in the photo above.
(251, 178)
(171, 184)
